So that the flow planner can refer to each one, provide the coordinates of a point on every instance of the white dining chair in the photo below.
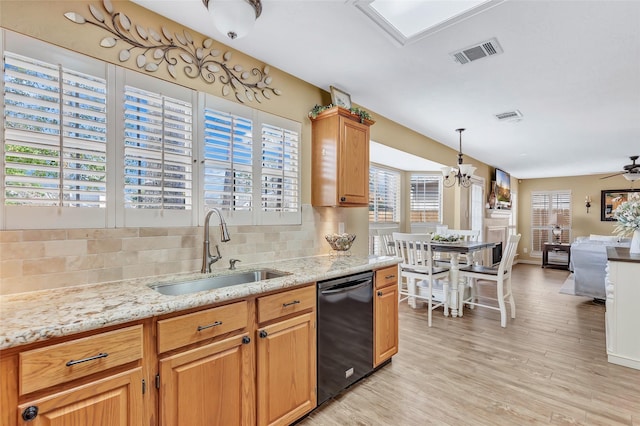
(417, 266)
(386, 242)
(500, 275)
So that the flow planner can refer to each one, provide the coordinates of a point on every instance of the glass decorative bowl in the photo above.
(340, 242)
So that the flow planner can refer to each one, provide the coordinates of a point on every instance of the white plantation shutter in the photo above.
(425, 198)
(228, 161)
(280, 166)
(251, 164)
(60, 109)
(547, 209)
(384, 195)
(158, 151)
(55, 135)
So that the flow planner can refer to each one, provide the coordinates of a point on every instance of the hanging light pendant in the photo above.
(234, 18)
(461, 173)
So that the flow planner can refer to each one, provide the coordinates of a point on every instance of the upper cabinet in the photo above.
(340, 159)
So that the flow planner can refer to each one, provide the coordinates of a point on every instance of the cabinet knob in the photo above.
(263, 334)
(30, 413)
(343, 199)
(246, 339)
(380, 293)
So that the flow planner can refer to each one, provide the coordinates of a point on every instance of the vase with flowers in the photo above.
(628, 216)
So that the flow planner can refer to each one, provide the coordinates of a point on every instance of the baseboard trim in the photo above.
(625, 362)
(530, 262)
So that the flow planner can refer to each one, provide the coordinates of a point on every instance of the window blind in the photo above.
(384, 195)
(228, 160)
(157, 151)
(280, 163)
(55, 135)
(425, 198)
(547, 210)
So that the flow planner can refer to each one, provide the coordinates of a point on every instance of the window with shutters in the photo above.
(384, 195)
(55, 141)
(228, 161)
(280, 191)
(172, 153)
(425, 198)
(157, 151)
(549, 209)
(252, 170)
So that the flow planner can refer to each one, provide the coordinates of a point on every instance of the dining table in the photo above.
(453, 291)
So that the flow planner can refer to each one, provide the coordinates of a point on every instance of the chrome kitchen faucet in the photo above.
(207, 258)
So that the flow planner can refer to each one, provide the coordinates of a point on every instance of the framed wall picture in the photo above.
(340, 98)
(610, 199)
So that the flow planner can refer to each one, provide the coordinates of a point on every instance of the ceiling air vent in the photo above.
(514, 115)
(478, 51)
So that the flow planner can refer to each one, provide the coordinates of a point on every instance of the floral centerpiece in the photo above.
(448, 238)
(628, 216)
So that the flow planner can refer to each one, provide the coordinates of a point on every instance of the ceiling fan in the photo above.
(631, 171)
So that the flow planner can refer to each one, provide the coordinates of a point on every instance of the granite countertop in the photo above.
(621, 254)
(41, 315)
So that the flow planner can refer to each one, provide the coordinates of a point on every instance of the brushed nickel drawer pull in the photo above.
(295, 302)
(388, 277)
(204, 327)
(91, 358)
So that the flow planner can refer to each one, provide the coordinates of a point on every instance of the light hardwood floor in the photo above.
(549, 366)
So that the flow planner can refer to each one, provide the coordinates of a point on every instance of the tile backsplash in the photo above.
(43, 259)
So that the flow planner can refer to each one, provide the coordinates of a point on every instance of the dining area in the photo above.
(446, 269)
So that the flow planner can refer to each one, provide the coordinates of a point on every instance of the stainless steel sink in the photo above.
(202, 284)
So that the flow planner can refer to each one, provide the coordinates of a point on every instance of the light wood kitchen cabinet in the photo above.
(340, 159)
(115, 401)
(385, 315)
(55, 364)
(286, 353)
(212, 383)
(96, 379)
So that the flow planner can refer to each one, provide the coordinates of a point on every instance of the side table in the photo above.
(556, 248)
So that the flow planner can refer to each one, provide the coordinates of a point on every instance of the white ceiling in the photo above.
(571, 67)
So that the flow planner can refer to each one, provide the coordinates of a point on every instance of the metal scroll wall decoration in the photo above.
(174, 50)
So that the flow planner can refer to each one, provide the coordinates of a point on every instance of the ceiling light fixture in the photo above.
(234, 18)
(462, 173)
(631, 176)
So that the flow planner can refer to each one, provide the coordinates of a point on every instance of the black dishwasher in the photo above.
(345, 332)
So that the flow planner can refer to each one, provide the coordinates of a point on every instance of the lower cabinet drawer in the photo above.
(61, 363)
(285, 303)
(186, 329)
(386, 276)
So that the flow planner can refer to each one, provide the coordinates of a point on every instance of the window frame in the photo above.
(133, 217)
(115, 214)
(54, 217)
(396, 211)
(549, 211)
(257, 215)
(434, 176)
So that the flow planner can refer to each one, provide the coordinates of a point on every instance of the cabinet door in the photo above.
(114, 401)
(385, 324)
(353, 178)
(286, 370)
(208, 386)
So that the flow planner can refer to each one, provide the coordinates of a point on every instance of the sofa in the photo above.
(589, 262)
